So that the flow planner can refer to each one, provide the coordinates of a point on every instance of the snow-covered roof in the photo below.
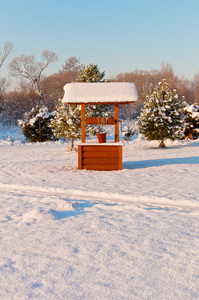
(100, 92)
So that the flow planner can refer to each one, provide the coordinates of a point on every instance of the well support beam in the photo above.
(97, 121)
(83, 123)
(117, 123)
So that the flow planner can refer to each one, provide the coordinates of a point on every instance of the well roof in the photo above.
(100, 92)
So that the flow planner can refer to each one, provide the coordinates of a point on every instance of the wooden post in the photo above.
(80, 157)
(83, 122)
(117, 123)
(120, 158)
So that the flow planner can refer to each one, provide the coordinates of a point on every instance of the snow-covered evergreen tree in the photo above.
(36, 125)
(192, 121)
(129, 133)
(67, 122)
(163, 115)
(91, 73)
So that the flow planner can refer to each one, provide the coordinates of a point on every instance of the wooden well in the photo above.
(103, 156)
(106, 157)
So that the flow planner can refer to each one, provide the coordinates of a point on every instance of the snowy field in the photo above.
(71, 234)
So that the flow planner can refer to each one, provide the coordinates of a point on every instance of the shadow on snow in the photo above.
(130, 165)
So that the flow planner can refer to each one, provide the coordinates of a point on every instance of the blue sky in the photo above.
(118, 36)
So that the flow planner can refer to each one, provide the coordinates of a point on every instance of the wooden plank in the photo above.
(83, 123)
(96, 121)
(101, 167)
(100, 161)
(100, 103)
(100, 154)
(79, 157)
(120, 158)
(100, 148)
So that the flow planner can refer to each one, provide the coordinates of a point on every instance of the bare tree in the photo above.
(3, 86)
(196, 87)
(27, 67)
(145, 81)
(5, 51)
(72, 66)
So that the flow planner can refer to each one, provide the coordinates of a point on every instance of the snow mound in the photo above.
(30, 217)
(68, 205)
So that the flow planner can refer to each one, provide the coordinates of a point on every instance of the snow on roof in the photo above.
(100, 92)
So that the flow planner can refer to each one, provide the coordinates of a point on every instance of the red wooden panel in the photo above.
(100, 161)
(101, 167)
(96, 121)
(100, 157)
(100, 154)
(100, 149)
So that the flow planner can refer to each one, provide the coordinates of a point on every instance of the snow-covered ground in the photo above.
(71, 234)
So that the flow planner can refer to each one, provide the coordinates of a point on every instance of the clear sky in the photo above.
(117, 35)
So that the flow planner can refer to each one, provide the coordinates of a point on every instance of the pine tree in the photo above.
(67, 122)
(129, 133)
(163, 115)
(91, 73)
(36, 125)
(192, 121)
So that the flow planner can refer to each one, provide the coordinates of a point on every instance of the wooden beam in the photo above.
(79, 157)
(83, 123)
(100, 103)
(96, 121)
(120, 158)
(117, 123)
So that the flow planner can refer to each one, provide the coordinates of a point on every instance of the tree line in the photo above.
(36, 89)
